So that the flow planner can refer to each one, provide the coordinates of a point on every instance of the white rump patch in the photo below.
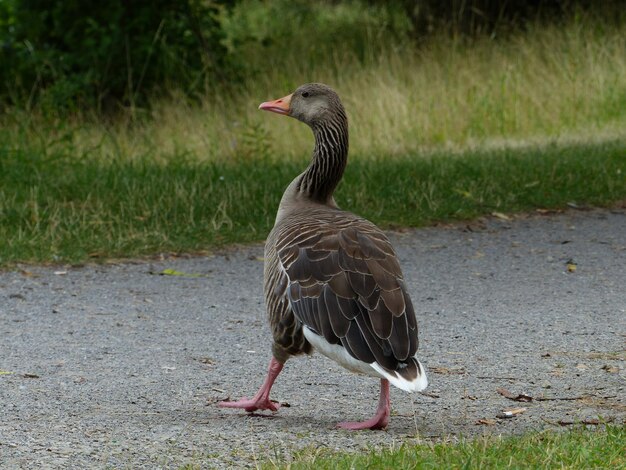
(339, 354)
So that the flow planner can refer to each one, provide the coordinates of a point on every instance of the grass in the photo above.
(60, 208)
(576, 449)
(445, 129)
(565, 81)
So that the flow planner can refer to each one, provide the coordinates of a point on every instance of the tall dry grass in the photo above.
(545, 83)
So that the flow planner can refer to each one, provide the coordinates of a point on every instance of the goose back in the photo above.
(337, 274)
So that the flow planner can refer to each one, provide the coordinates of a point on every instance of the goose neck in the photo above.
(330, 156)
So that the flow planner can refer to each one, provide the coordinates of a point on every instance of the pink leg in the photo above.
(380, 419)
(261, 401)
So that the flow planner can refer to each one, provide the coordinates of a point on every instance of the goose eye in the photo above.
(305, 94)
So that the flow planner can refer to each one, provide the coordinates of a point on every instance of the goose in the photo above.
(332, 280)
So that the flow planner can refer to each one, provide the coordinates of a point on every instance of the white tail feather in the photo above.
(338, 354)
(416, 385)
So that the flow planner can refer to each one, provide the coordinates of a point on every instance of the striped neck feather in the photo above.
(330, 156)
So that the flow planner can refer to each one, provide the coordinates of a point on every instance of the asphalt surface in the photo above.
(117, 366)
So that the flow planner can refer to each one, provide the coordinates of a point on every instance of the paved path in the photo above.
(117, 366)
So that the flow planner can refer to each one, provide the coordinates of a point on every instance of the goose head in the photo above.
(312, 103)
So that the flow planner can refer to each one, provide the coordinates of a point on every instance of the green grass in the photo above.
(575, 449)
(441, 129)
(56, 207)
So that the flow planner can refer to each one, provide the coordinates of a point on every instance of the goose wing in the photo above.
(345, 284)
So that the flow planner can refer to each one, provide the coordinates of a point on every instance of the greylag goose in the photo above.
(332, 279)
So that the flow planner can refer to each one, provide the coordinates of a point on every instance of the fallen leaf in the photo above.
(582, 366)
(437, 247)
(559, 398)
(505, 393)
(574, 205)
(465, 194)
(511, 396)
(523, 398)
(206, 360)
(610, 369)
(500, 215)
(571, 266)
(487, 421)
(589, 422)
(173, 272)
(6, 372)
(510, 413)
(592, 421)
(30, 376)
(496, 377)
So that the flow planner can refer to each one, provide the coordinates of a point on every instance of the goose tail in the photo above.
(409, 376)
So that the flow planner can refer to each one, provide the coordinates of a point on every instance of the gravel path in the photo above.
(117, 366)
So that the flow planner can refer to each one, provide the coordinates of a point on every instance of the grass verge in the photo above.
(579, 448)
(55, 207)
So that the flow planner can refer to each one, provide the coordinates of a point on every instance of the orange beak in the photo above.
(280, 106)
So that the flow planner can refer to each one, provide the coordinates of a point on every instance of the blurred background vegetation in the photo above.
(186, 74)
(106, 56)
(128, 127)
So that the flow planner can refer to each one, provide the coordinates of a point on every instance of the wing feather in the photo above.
(371, 302)
(362, 284)
(358, 346)
(400, 343)
(348, 307)
(345, 284)
(394, 301)
(380, 320)
(340, 286)
(384, 280)
(381, 350)
(329, 305)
